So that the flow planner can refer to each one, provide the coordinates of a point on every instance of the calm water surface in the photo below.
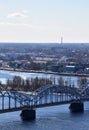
(50, 118)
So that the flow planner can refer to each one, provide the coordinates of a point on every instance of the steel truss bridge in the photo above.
(48, 95)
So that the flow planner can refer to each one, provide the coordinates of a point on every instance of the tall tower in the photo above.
(61, 40)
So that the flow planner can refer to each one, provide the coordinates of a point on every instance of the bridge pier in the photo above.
(28, 114)
(76, 107)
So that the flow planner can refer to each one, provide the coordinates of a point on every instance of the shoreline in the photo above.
(45, 72)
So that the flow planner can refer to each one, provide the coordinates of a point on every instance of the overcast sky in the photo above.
(44, 20)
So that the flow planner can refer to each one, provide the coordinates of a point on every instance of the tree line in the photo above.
(31, 84)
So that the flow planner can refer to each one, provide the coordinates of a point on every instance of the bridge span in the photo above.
(45, 96)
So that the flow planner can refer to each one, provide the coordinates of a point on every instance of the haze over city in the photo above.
(44, 21)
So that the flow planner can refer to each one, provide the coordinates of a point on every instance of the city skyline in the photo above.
(44, 21)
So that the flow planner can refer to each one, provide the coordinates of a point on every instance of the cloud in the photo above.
(17, 15)
(15, 24)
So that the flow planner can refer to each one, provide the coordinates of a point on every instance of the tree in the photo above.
(61, 81)
(68, 82)
(82, 82)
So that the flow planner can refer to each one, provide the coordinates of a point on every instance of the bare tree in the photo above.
(61, 81)
(82, 82)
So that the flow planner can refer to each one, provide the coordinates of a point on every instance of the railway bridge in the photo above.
(45, 96)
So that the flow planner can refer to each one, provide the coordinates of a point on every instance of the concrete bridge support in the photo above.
(76, 107)
(28, 115)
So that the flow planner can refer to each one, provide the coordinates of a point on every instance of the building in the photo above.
(70, 69)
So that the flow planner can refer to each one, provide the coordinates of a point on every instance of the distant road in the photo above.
(45, 72)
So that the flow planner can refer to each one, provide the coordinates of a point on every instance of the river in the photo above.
(51, 118)
(48, 118)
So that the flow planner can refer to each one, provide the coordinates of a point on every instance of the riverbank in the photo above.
(46, 72)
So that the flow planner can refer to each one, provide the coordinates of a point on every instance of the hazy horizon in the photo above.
(44, 43)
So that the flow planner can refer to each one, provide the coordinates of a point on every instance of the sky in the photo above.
(44, 21)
